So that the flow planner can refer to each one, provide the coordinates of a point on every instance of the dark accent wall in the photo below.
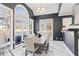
(57, 24)
(36, 25)
(73, 20)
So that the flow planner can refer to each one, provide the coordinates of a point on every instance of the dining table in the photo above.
(39, 42)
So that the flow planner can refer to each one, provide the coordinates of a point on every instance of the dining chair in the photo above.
(45, 47)
(29, 46)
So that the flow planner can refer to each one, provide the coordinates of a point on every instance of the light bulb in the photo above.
(40, 10)
(43, 9)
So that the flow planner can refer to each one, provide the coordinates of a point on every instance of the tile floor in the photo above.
(56, 48)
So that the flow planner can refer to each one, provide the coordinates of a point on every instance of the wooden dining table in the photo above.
(39, 42)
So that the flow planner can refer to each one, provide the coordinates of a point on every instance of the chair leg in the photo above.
(46, 51)
(26, 53)
(11, 52)
(47, 46)
(34, 54)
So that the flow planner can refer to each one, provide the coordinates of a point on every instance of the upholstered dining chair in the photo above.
(29, 46)
(45, 47)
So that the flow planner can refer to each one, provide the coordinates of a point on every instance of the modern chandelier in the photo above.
(40, 9)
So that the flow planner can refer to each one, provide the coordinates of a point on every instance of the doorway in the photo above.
(46, 27)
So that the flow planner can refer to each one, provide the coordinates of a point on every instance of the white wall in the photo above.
(68, 35)
(67, 21)
(69, 40)
(76, 14)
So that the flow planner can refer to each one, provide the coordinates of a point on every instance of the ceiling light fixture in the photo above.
(40, 9)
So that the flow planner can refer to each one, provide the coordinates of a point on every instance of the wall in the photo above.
(78, 47)
(69, 35)
(67, 21)
(36, 25)
(57, 20)
(57, 24)
(69, 40)
(76, 14)
(76, 20)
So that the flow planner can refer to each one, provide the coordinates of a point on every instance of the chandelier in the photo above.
(40, 9)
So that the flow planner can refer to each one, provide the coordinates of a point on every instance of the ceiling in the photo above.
(66, 8)
(49, 8)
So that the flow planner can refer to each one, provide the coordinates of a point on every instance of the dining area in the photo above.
(22, 33)
(36, 44)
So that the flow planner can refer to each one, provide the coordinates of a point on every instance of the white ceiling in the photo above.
(49, 8)
(66, 8)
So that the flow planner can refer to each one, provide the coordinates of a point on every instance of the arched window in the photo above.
(21, 21)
